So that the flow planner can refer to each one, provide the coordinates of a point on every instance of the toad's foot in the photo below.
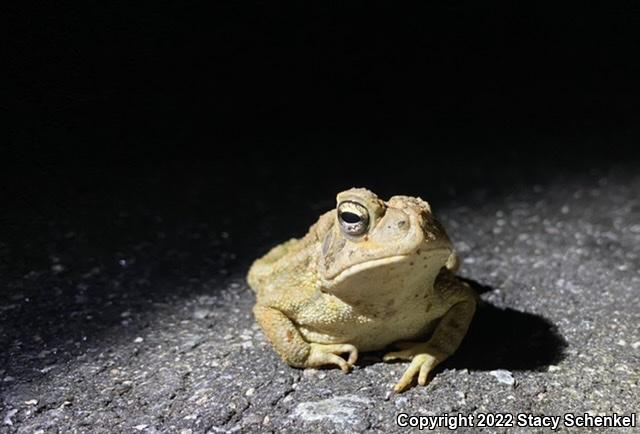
(292, 347)
(423, 359)
(328, 354)
(445, 340)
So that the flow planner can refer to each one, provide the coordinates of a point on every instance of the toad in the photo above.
(368, 275)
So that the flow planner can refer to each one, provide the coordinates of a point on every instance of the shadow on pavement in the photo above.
(507, 339)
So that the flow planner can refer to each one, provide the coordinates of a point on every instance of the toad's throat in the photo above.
(414, 256)
(355, 268)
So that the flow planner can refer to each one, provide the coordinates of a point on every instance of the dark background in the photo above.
(235, 113)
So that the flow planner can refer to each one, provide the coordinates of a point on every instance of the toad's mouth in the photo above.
(365, 265)
(419, 255)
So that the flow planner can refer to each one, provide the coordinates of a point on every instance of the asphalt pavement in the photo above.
(132, 314)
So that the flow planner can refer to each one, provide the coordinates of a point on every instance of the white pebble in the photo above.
(503, 376)
(7, 418)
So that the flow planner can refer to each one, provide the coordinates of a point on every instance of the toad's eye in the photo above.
(353, 218)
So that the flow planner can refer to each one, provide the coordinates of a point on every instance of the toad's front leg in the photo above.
(446, 338)
(292, 347)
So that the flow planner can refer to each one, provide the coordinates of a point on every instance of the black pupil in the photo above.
(349, 217)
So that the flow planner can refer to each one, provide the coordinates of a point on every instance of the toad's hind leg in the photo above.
(445, 341)
(292, 347)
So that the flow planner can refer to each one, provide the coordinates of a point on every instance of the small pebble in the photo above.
(57, 268)
(7, 418)
(503, 376)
